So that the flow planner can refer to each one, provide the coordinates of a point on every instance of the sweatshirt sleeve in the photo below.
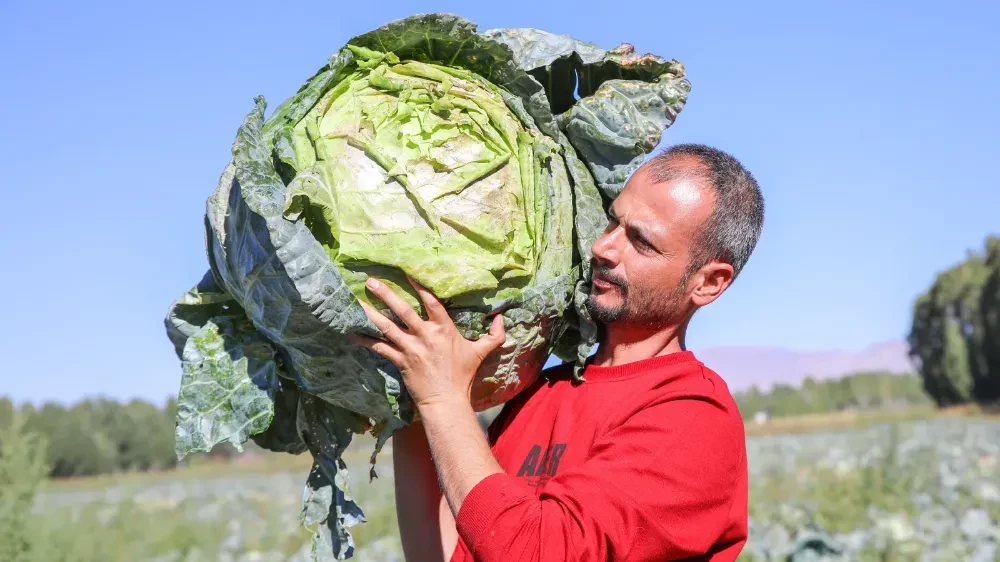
(658, 486)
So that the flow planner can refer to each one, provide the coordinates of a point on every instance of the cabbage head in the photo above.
(478, 163)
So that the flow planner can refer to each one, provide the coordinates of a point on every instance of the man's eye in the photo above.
(643, 243)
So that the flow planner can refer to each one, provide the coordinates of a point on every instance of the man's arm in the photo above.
(459, 448)
(426, 530)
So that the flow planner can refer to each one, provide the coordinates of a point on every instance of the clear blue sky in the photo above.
(870, 129)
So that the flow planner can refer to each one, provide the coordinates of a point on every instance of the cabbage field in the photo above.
(926, 490)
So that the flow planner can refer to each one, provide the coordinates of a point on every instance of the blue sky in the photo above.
(870, 129)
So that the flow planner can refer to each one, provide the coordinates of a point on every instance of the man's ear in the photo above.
(711, 281)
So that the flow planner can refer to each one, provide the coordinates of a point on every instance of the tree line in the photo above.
(955, 334)
(858, 391)
(97, 436)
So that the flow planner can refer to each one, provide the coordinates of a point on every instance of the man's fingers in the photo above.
(389, 329)
(435, 310)
(494, 339)
(383, 348)
(395, 303)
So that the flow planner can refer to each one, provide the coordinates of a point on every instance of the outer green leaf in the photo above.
(535, 48)
(620, 124)
(551, 59)
(327, 501)
(229, 370)
(191, 313)
(328, 505)
(625, 100)
(230, 374)
(590, 220)
(282, 435)
(193, 310)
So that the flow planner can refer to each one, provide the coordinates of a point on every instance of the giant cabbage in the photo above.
(478, 163)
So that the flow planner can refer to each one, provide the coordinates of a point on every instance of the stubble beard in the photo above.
(645, 306)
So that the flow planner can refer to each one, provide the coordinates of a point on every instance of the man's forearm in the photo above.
(418, 498)
(459, 448)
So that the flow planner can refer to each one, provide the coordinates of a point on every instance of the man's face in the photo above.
(641, 261)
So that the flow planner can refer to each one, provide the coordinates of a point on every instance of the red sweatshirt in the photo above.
(644, 461)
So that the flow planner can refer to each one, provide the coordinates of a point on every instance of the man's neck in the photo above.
(626, 344)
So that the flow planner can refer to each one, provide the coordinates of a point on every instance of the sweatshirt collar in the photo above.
(594, 373)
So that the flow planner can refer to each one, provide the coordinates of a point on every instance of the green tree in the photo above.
(815, 395)
(841, 394)
(100, 435)
(751, 402)
(77, 444)
(947, 335)
(150, 446)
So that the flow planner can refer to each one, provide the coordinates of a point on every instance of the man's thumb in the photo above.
(494, 339)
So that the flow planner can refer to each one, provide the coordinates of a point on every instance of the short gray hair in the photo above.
(733, 229)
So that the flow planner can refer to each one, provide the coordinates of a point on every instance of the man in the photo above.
(646, 459)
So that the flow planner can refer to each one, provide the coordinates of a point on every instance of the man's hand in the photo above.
(437, 363)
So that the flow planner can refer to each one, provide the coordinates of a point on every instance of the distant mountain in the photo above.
(742, 367)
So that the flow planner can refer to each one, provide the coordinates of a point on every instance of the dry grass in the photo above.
(855, 419)
(197, 468)
(200, 466)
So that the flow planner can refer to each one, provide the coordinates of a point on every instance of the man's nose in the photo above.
(607, 248)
